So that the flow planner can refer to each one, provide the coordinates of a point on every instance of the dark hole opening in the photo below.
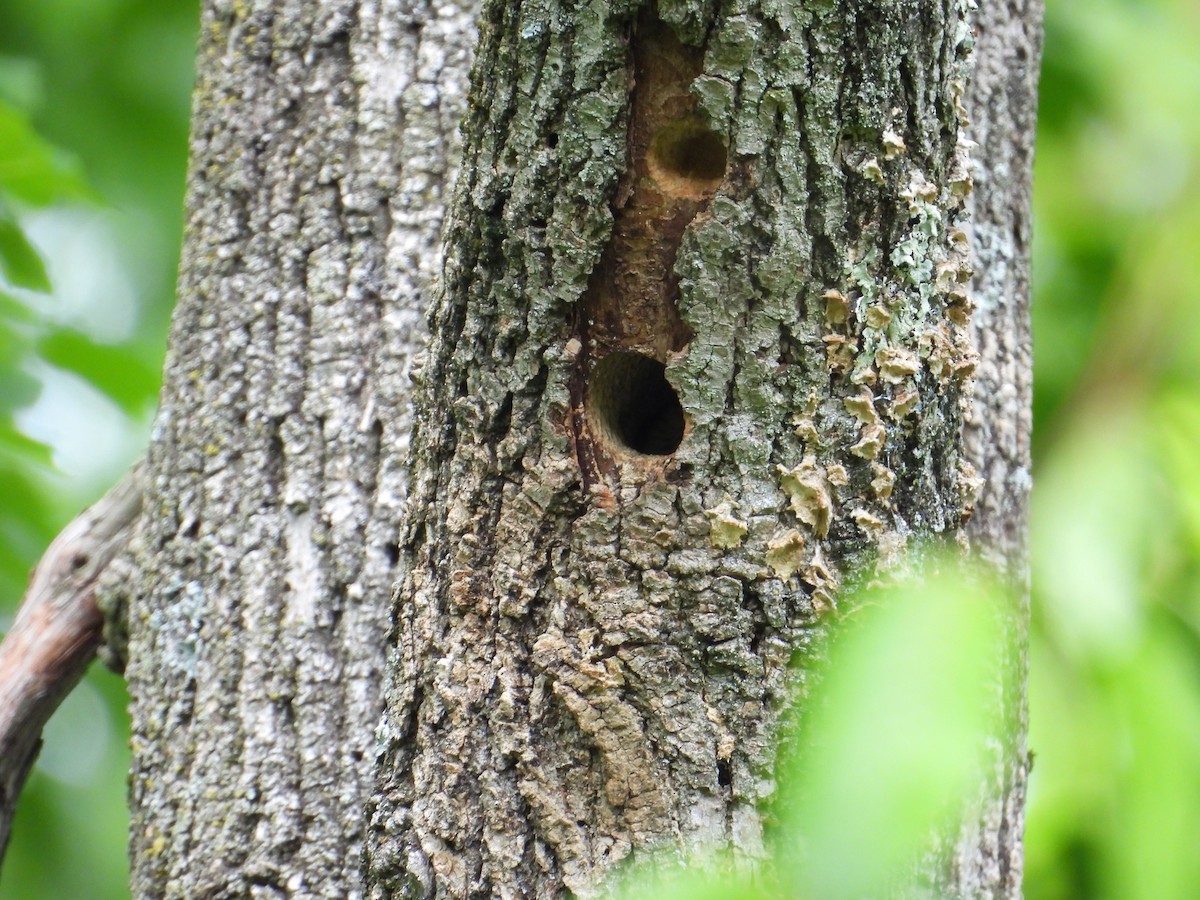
(633, 406)
(687, 154)
(724, 776)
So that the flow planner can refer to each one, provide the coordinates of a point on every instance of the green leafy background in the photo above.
(93, 129)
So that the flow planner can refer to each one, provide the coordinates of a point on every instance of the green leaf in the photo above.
(19, 261)
(13, 310)
(31, 169)
(25, 527)
(114, 370)
(21, 81)
(1157, 701)
(891, 737)
(17, 389)
(19, 448)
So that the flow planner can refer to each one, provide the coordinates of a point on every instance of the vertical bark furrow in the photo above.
(592, 657)
(323, 141)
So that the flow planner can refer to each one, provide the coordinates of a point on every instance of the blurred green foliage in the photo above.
(893, 735)
(93, 133)
(93, 117)
(1114, 802)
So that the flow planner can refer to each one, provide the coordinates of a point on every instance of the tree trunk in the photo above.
(1002, 105)
(701, 358)
(611, 565)
(324, 133)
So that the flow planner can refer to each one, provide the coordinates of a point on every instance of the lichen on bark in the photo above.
(580, 670)
(700, 359)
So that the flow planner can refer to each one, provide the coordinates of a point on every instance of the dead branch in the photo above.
(57, 631)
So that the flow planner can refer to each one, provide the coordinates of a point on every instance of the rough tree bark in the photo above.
(1002, 105)
(323, 136)
(701, 356)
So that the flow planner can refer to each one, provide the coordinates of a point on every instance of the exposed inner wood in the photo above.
(675, 165)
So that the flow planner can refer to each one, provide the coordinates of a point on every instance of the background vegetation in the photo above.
(93, 119)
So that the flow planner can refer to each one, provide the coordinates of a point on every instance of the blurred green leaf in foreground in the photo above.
(889, 748)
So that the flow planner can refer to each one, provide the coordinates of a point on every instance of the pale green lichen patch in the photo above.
(807, 488)
(725, 529)
(860, 272)
(785, 554)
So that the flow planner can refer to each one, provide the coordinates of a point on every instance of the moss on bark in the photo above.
(593, 646)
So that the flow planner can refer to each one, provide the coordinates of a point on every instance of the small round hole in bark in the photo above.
(687, 158)
(632, 407)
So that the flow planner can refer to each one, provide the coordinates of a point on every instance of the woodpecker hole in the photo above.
(632, 407)
(687, 158)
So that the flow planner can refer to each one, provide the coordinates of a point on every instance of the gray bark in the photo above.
(603, 579)
(1002, 105)
(323, 136)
